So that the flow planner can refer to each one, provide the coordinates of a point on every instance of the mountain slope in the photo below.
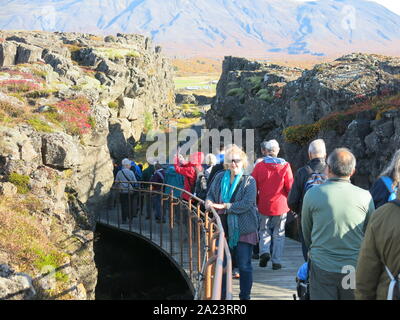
(245, 26)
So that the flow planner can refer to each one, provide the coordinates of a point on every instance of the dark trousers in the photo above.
(157, 206)
(128, 206)
(326, 285)
(303, 245)
(126, 203)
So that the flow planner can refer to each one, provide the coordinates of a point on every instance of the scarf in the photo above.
(227, 191)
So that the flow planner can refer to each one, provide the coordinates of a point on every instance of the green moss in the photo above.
(301, 134)
(113, 105)
(148, 121)
(20, 181)
(133, 54)
(263, 94)
(235, 92)
(39, 73)
(39, 94)
(255, 80)
(92, 121)
(40, 125)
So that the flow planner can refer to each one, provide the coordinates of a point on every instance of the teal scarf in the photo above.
(227, 191)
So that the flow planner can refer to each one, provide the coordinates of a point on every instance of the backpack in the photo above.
(388, 183)
(200, 186)
(314, 178)
(394, 285)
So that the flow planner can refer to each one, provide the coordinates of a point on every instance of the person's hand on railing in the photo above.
(217, 206)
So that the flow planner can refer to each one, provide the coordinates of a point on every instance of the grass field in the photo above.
(202, 81)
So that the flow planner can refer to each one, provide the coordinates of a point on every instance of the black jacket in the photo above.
(380, 193)
(296, 195)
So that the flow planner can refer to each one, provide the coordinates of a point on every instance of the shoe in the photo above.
(276, 266)
(264, 258)
(256, 256)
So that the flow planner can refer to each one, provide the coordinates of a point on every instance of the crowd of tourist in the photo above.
(341, 226)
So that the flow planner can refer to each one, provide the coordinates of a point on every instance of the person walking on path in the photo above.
(274, 180)
(380, 250)
(316, 166)
(233, 195)
(189, 170)
(334, 218)
(124, 181)
(158, 177)
(385, 188)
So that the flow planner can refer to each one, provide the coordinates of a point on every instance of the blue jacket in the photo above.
(138, 172)
(174, 179)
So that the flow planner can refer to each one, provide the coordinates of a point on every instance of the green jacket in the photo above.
(334, 218)
(381, 247)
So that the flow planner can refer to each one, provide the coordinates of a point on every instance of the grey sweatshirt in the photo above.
(243, 203)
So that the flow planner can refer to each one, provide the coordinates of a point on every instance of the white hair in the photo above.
(271, 145)
(317, 148)
(126, 162)
(211, 159)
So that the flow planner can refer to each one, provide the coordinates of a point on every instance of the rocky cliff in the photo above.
(70, 104)
(353, 102)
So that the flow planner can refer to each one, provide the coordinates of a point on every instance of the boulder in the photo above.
(15, 286)
(27, 54)
(61, 151)
(8, 52)
(7, 189)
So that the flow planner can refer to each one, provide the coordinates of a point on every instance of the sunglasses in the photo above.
(235, 161)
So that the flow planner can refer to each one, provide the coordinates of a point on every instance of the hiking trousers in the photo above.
(272, 228)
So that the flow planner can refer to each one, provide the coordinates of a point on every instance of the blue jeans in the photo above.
(272, 228)
(243, 253)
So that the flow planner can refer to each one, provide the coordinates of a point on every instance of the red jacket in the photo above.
(274, 180)
(189, 172)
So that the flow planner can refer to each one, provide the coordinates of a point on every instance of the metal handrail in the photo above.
(205, 268)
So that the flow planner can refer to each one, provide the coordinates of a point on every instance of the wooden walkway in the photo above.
(268, 284)
(280, 284)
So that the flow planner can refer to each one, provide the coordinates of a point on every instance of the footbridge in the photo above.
(194, 241)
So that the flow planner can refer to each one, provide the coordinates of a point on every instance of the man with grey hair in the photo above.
(316, 166)
(123, 181)
(334, 218)
(274, 179)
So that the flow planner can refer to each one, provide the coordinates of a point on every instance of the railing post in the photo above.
(130, 216)
(171, 219)
(181, 229)
(140, 211)
(161, 219)
(190, 238)
(198, 239)
(210, 266)
(150, 211)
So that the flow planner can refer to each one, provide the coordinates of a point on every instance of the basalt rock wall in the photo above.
(70, 103)
(350, 102)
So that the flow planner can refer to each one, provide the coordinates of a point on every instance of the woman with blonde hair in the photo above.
(233, 195)
(385, 188)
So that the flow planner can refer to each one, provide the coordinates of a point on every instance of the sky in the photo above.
(393, 5)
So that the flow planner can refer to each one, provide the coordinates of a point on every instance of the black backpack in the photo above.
(200, 186)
